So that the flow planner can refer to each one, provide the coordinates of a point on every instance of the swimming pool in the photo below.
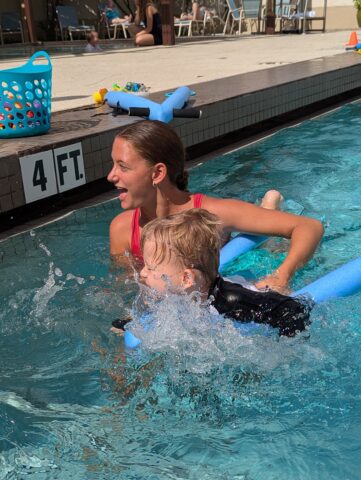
(73, 406)
(70, 48)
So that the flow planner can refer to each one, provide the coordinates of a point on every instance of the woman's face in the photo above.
(131, 175)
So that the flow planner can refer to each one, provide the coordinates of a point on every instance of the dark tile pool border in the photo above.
(234, 108)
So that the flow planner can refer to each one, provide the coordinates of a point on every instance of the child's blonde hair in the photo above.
(192, 237)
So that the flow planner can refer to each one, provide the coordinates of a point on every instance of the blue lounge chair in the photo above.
(10, 24)
(298, 16)
(68, 21)
(253, 13)
(235, 14)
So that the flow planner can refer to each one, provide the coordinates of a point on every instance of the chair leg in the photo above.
(226, 23)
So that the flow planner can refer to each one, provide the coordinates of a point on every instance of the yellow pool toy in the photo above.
(98, 96)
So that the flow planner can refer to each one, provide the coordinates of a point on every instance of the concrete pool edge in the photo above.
(234, 108)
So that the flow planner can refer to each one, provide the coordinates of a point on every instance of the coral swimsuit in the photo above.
(135, 241)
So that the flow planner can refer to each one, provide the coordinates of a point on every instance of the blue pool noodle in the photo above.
(237, 246)
(342, 282)
(158, 111)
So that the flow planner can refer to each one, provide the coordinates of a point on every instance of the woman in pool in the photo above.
(149, 173)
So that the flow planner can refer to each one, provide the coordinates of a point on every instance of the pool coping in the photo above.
(251, 103)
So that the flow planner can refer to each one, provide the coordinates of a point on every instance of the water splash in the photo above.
(198, 339)
(45, 293)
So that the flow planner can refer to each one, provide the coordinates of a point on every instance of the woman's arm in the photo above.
(305, 233)
(149, 14)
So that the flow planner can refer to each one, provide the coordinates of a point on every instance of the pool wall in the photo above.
(233, 107)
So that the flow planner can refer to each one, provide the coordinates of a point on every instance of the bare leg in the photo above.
(272, 200)
(144, 40)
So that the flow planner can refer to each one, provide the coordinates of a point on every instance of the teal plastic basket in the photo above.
(25, 99)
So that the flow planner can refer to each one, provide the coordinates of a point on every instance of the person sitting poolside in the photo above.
(148, 16)
(197, 14)
(113, 15)
(181, 255)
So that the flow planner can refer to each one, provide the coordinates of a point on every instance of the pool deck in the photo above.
(244, 86)
(76, 77)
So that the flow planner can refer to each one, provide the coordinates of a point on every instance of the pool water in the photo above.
(70, 48)
(197, 402)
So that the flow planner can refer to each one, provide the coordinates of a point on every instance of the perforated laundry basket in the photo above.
(25, 99)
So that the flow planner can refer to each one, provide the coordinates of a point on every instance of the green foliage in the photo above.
(357, 4)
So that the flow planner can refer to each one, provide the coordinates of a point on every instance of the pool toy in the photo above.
(168, 94)
(129, 87)
(99, 96)
(342, 282)
(238, 246)
(172, 107)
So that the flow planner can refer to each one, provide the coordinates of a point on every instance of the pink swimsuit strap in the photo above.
(135, 239)
(197, 200)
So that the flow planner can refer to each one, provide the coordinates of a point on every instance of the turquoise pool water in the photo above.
(74, 405)
(21, 51)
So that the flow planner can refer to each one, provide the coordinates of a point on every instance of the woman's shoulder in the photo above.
(209, 202)
(120, 232)
(151, 8)
(122, 220)
(216, 202)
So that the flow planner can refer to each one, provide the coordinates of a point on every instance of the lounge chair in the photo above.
(68, 22)
(121, 27)
(189, 26)
(253, 13)
(10, 24)
(235, 14)
(298, 16)
(112, 28)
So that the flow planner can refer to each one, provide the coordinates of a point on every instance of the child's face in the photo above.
(95, 39)
(161, 276)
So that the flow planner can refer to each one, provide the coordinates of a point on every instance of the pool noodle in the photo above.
(158, 111)
(238, 246)
(342, 282)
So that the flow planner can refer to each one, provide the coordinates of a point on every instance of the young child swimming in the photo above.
(181, 254)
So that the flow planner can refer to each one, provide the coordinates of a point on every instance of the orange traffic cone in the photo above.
(353, 40)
